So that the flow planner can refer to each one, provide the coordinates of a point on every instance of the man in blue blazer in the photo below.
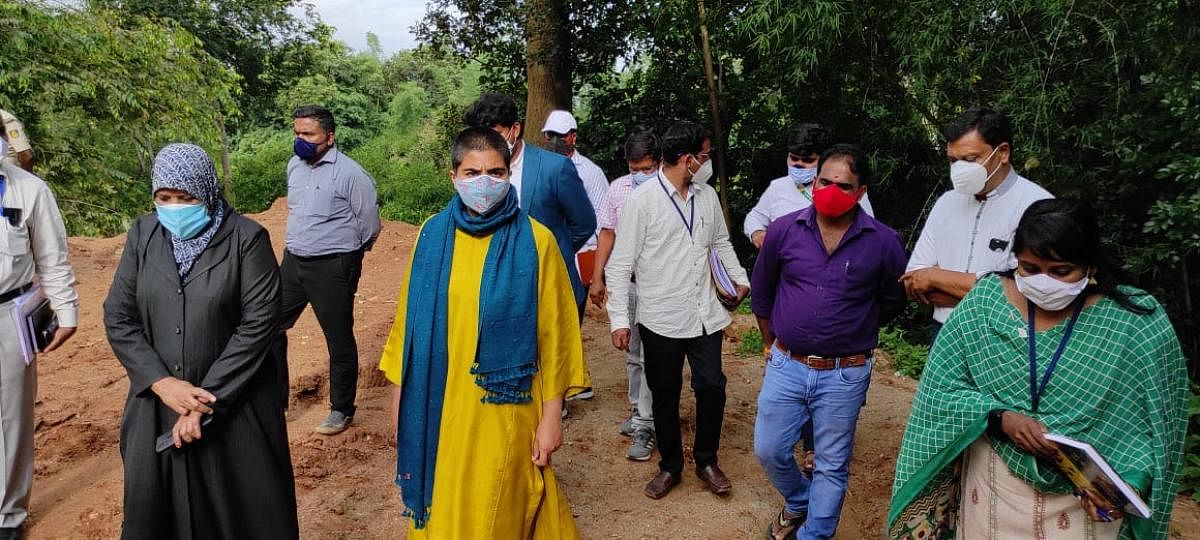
(547, 184)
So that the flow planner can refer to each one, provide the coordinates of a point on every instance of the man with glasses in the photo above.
(667, 230)
(792, 192)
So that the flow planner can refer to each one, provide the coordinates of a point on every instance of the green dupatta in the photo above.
(1121, 385)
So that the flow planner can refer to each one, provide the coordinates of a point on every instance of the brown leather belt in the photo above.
(822, 363)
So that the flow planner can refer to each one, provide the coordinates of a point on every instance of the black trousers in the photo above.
(664, 374)
(329, 283)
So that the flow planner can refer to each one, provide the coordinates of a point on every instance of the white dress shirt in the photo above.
(676, 296)
(595, 183)
(965, 234)
(515, 168)
(37, 245)
(781, 198)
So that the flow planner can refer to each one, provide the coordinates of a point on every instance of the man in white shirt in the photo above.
(970, 229)
(667, 229)
(643, 155)
(33, 247)
(561, 133)
(793, 192)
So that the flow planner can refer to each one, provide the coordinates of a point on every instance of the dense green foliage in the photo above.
(100, 98)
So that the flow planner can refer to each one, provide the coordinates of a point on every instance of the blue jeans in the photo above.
(793, 394)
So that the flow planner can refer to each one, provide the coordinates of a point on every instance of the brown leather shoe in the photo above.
(714, 480)
(661, 484)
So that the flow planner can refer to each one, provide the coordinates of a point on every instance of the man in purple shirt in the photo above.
(824, 282)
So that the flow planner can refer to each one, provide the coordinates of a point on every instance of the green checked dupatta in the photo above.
(1120, 385)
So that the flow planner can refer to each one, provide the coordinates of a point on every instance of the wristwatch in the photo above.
(994, 427)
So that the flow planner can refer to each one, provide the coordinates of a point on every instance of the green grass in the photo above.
(750, 343)
(908, 357)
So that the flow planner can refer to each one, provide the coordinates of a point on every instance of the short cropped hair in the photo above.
(860, 165)
(683, 137)
(642, 144)
(808, 139)
(475, 139)
(318, 113)
(993, 126)
(491, 110)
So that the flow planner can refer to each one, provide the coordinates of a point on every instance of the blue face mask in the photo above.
(304, 149)
(481, 193)
(802, 176)
(640, 177)
(184, 220)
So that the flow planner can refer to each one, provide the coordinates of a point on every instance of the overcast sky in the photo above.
(388, 19)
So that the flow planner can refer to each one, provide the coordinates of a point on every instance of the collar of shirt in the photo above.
(862, 222)
(1009, 181)
(671, 191)
(331, 156)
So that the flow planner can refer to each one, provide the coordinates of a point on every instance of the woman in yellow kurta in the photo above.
(492, 477)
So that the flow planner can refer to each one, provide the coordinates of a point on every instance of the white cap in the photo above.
(560, 122)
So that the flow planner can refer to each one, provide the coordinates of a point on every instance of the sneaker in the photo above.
(626, 428)
(335, 423)
(586, 394)
(642, 446)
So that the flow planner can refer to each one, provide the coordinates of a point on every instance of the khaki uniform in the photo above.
(18, 141)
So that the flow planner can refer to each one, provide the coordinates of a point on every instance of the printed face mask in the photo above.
(184, 221)
(831, 201)
(968, 177)
(481, 193)
(801, 176)
(1048, 293)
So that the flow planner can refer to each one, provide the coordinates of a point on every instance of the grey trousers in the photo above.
(635, 367)
(18, 388)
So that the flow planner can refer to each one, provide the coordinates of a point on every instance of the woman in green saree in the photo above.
(1103, 366)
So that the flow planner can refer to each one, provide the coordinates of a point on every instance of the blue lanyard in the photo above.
(1035, 390)
(680, 210)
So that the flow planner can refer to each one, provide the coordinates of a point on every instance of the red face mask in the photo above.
(831, 201)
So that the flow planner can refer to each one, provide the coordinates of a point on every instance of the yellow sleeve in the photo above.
(562, 370)
(392, 360)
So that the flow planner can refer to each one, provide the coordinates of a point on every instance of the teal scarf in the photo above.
(506, 354)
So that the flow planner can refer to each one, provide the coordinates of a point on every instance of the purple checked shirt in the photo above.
(822, 304)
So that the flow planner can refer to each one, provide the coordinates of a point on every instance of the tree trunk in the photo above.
(548, 66)
(718, 139)
(226, 170)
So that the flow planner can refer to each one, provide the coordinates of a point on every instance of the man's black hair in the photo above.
(808, 139)
(491, 110)
(993, 126)
(683, 137)
(860, 165)
(318, 113)
(642, 144)
(478, 139)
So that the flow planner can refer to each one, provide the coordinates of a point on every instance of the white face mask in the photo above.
(968, 177)
(1048, 293)
(3, 148)
(703, 174)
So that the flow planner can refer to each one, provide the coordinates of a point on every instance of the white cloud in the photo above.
(388, 19)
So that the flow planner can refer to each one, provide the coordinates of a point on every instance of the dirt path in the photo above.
(344, 483)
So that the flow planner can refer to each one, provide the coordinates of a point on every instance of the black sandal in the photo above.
(785, 526)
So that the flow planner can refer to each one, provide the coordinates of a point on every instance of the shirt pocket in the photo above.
(318, 201)
(14, 241)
